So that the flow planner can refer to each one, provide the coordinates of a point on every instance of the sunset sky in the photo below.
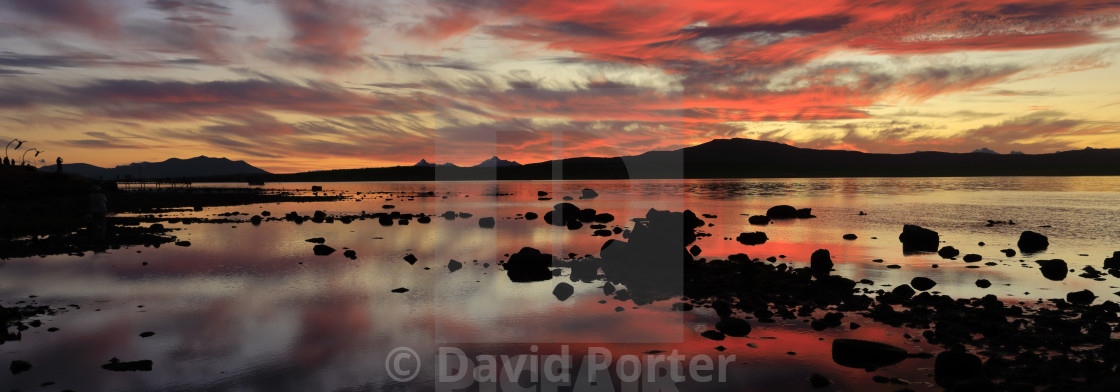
(293, 85)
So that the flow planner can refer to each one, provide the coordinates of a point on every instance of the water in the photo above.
(250, 308)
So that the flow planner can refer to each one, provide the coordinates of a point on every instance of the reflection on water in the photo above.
(250, 308)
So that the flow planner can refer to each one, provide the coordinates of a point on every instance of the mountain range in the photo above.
(196, 167)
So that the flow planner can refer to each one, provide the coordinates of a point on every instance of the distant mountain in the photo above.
(746, 158)
(984, 150)
(494, 161)
(425, 163)
(196, 167)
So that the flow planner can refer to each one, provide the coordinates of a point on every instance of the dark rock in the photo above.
(922, 283)
(863, 354)
(256, 220)
(487, 222)
(948, 252)
(1083, 297)
(830, 320)
(819, 381)
(322, 250)
(805, 213)
(529, 265)
(1112, 262)
(19, 366)
(350, 254)
(317, 240)
(953, 368)
(603, 218)
(759, 220)
(410, 258)
(530, 215)
(562, 214)
(694, 250)
(972, 258)
(918, 239)
(608, 288)
(424, 219)
(602, 233)
(449, 215)
(563, 291)
(400, 290)
(542, 193)
(734, 327)
(133, 366)
(755, 238)
(713, 335)
(147, 334)
(1053, 269)
(850, 237)
(983, 283)
(1031, 242)
(183, 243)
(903, 291)
(782, 212)
(821, 262)
(465, 215)
(588, 194)
(454, 265)
(1008, 252)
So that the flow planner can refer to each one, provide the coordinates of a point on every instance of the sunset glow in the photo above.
(295, 85)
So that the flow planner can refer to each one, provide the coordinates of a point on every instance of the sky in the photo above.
(295, 85)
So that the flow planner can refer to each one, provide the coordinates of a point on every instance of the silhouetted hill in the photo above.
(494, 161)
(745, 158)
(425, 163)
(196, 167)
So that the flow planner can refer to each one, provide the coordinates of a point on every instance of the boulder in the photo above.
(487, 222)
(454, 265)
(850, 237)
(734, 327)
(922, 283)
(983, 283)
(915, 238)
(864, 354)
(1083, 297)
(322, 250)
(588, 194)
(1053, 269)
(820, 262)
(953, 368)
(1008, 252)
(132, 366)
(563, 291)
(1112, 262)
(694, 250)
(760, 220)
(755, 238)
(410, 258)
(805, 213)
(948, 252)
(529, 265)
(19, 366)
(1031, 242)
(530, 215)
(903, 291)
(972, 258)
(350, 254)
(782, 212)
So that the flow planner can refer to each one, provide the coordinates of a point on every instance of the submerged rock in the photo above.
(133, 366)
(918, 239)
(1031, 242)
(864, 354)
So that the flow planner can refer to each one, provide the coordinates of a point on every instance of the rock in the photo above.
(563, 291)
(805, 213)
(734, 327)
(953, 368)
(1008, 252)
(760, 220)
(863, 354)
(316, 188)
(424, 219)
(903, 291)
(542, 193)
(400, 290)
(821, 262)
(465, 215)
(1031, 242)
(782, 212)
(410, 258)
(1053, 269)
(454, 265)
(562, 214)
(948, 252)
(529, 265)
(694, 250)
(147, 334)
(918, 239)
(972, 258)
(850, 237)
(819, 381)
(603, 218)
(983, 283)
(530, 215)
(830, 320)
(922, 283)
(608, 288)
(588, 194)
(134, 366)
(755, 238)
(255, 220)
(316, 240)
(19, 366)
(1083, 297)
(713, 335)
(1112, 262)
(322, 250)
(350, 254)
(183, 243)
(487, 222)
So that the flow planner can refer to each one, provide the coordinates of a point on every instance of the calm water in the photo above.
(251, 308)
